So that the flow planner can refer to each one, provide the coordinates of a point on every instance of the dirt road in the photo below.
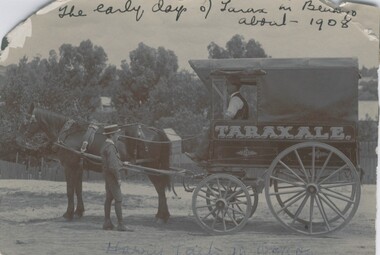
(31, 223)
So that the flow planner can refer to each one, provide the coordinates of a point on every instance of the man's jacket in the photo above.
(111, 159)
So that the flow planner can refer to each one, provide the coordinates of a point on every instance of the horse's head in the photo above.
(29, 125)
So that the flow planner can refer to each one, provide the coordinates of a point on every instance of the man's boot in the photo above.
(107, 225)
(119, 215)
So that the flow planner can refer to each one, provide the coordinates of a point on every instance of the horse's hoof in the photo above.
(68, 216)
(79, 214)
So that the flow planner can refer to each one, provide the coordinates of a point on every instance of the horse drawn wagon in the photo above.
(299, 146)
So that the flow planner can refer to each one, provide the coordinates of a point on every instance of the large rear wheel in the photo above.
(312, 188)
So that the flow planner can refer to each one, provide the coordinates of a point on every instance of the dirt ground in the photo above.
(31, 222)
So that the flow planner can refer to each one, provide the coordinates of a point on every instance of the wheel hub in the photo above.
(220, 204)
(312, 188)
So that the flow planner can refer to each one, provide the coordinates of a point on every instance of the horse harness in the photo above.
(88, 136)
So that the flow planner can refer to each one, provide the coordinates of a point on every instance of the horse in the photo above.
(138, 143)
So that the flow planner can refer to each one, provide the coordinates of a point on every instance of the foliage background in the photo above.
(147, 87)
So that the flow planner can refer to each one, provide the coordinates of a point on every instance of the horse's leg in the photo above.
(70, 193)
(160, 185)
(78, 178)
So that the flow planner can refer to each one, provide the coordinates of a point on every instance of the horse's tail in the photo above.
(165, 158)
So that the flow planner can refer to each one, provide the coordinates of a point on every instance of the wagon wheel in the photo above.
(312, 188)
(251, 190)
(254, 199)
(221, 204)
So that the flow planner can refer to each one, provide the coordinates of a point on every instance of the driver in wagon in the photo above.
(237, 109)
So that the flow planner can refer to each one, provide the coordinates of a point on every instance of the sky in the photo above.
(317, 34)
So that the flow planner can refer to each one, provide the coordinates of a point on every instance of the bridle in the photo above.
(32, 118)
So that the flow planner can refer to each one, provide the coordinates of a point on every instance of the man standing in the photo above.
(111, 167)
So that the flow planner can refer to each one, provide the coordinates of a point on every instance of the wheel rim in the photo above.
(254, 199)
(312, 188)
(221, 204)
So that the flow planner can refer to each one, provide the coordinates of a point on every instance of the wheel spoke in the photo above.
(288, 175)
(323, 213)
(332, 185)
(286, 192)
(217, 181)
(330, 204)
(211, 212)
(228, 188)
(224, 221)
(291, 203)
(233, 220)
(234, 194)
(207, 198)
(313, 164)
(337, 197)
(206, 206)
(324, 166)
(293, 197)
(210, 189)
(332, 174)
(237, 211)
(311, 214)
(238, 206)
(238, 202)
(289, 182)
(300, 208)
(287, 167)
(337, 193)
(285, 187)
(215, 219)
(302, 165)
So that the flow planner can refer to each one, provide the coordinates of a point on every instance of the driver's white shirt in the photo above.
(234, 105)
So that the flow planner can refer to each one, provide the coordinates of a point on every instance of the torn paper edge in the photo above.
(17, 36)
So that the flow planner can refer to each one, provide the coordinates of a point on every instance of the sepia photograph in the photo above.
(190, 127)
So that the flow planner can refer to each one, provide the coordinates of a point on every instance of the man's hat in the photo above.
(234, 80)
(111, 129)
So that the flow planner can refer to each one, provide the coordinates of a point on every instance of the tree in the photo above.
(147, 66)
(368, 84)
(254, 50)
(179, 92)
(217, 52)
(69, 83)
(236, 47)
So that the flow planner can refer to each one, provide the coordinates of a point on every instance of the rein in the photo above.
(192, 137)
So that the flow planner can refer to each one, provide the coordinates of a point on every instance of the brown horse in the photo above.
(138, 143)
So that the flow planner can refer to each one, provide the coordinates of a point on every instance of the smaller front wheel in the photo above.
(221, 204)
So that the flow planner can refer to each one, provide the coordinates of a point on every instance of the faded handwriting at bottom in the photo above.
(197, 250)
(120, 248)
(282, 250)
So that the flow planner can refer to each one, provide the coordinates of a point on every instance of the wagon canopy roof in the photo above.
(206, 68)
